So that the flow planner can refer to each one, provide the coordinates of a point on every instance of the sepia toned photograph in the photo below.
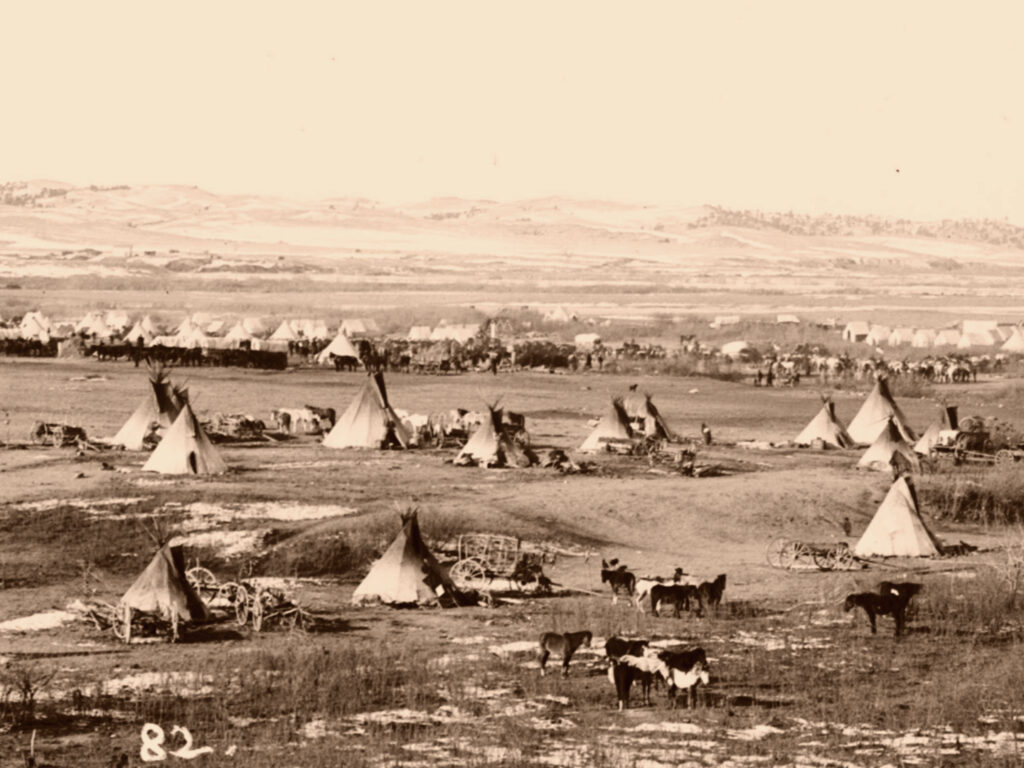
(511, 385)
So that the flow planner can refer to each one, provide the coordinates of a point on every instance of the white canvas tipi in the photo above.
(490, 446)
(897, 529)
(947, 420)
(284, 332)
(614, 425)
(369, 421)
(825, 426)
(185, 449)
(161, 407)
(888, 449)
(875, 412)
(340, 347)
(407, 573)
(163, 589)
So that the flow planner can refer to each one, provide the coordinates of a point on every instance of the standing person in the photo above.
(705, 432)
(769, 377)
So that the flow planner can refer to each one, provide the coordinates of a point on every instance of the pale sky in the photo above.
(772, 105)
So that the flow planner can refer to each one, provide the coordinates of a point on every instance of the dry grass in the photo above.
(993, 495)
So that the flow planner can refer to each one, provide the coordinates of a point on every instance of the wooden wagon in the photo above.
(789, 553)
(483, 557)
(249, 601)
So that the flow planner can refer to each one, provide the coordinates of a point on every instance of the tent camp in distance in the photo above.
(613, 427)
(897, 529)
(159, 407)
(827, 427)
(163, 589)
(369, 421)
(185, 449)
(873, 414)
(407, 573)
(889, 450)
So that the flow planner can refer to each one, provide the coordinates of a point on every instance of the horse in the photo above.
(641, 668)
(687, 670)
(892, 599)
(678, 595)
(620, 579)
(564, 644)
(709, 593)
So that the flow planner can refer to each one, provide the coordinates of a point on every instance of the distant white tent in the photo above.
(185, 449)
(614, 425)
(587, 340)
(735, 349)
(254, 326)
(856, 330)
(340, 347)
(407, 573)
(972, 339)
(195, 339)
(35, 325)
(900, 336)
(238, 333)
(784, 319)
(419, 333)
(897, 529)
(876, 410)
(215, 327)
(879, 335)
(978, 326)
(369, 421)
(947, 337)
(354, 327)
(284, 332)
(138, 332)
(1015, 343)
(825, 426)
(888, 450)
(948, 420)
(117, 320)
(924, 338)
(461, 333)
(148, 325)
(559, 315)
(186, 327)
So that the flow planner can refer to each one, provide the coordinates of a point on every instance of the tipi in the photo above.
(489, 446)
(897, 529)
(873, 414)
(185, 449)
(889, 448)
(826, 427)
(284, 332)
(407, 573)
(369, 421)
(1015, 343)
(161, 408)
(614, 425)
(644, 415)
(340, 347)
(947, 420)
(163, 589)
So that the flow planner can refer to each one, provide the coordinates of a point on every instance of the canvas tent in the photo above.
(407, 573)
(614, 425)
(889, 449)
(897, 529)
(873, 414)
(138, 332)
(340, 347)
(185, 449)
(369, 421)
(163, 589)
(419, 333)
(284, 332)
(947, 337)
(856, 330)
(924, 338)
(160, 406)
(1015, 343)
(490, 446)
(825, 426)
(948, 420)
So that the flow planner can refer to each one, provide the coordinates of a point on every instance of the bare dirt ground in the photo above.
(795, 680)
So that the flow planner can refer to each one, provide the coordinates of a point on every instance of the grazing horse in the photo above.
(892, 599)
(644, 583)
(564, 645)
(678, 595)
(619, 578)
(687, 670)
(630, 668)
(709, 593)
(621, 646)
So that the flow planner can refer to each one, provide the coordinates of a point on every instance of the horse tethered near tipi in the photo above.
(484, 557)
(57, 434)
(790, 553)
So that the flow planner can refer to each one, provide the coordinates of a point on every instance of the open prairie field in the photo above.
(794, 679)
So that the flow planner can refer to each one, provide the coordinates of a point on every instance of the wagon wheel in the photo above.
(467, 570)
(789, 554)
(844, 557)
(38, 433)
(1005, 457)
(116, 624)
(241, 600)
(201, 578)
(826, 558)
(256, 612)
(774, 552)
